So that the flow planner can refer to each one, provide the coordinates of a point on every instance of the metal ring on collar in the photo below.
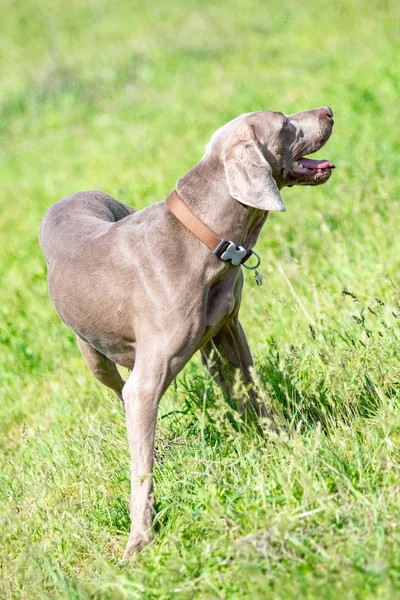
(252, 268)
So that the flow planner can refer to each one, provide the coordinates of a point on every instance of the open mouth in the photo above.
(312, 169)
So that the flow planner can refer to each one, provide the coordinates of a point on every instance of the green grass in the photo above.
(123, 96)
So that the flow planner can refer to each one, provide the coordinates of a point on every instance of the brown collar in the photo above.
(224, 249)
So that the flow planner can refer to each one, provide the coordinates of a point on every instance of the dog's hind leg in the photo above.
(104, 369)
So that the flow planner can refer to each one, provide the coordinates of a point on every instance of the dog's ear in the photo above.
(249, 177)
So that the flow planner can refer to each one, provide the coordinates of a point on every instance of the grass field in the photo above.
(123, 96)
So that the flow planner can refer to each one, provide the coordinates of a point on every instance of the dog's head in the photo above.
(264, 151)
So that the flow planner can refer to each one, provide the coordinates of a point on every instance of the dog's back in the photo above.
(82, 214)
(76, 238)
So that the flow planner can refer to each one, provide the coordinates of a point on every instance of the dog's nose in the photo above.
(326, 112)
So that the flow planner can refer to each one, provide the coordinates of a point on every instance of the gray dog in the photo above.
(147, 289)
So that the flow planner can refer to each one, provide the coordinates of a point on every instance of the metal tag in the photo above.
(258, 278)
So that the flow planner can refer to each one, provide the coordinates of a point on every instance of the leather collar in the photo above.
(226, 250)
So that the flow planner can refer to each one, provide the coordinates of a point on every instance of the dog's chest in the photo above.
(221, 303)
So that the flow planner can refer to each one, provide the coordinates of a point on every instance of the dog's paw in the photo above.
(137, 541)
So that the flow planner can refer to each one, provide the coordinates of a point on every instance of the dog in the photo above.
(147, 289)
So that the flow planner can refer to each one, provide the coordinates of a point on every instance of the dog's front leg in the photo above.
(142, 392)
(141, 396)
(141, 414)
(227, 354)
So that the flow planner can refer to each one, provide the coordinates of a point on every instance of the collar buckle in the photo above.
(230, 252)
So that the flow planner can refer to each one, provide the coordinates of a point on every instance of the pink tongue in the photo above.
(316, 164)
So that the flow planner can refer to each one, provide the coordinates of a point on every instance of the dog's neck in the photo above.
(205, 191)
